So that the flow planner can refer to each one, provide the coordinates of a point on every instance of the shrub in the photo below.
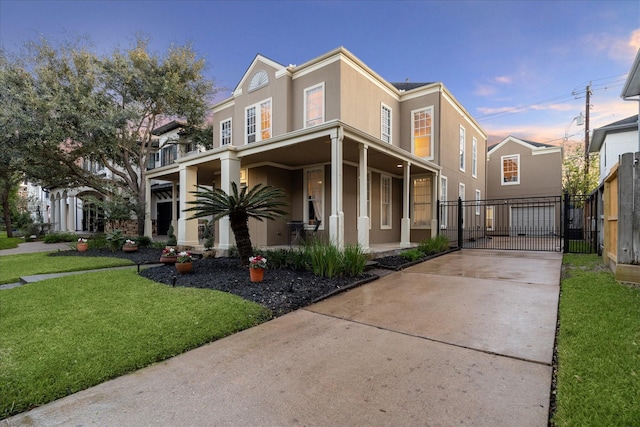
(98, 241)
(60, 237)
(412, 254)
(173, 241)
(115, 240)
(143, 241)
(434, 245)
(354, 260)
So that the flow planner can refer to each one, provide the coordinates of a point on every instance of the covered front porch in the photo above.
(327, 172)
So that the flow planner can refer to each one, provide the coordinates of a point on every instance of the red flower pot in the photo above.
(184, 267)
(256, 274)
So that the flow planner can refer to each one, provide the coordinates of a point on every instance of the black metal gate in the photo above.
(527, 224)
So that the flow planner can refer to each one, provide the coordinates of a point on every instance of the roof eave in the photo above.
(631, 89)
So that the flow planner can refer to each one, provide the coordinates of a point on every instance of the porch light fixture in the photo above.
(399, 165)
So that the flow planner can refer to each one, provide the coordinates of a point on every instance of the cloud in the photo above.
(634, 40)
(484, 90)
(619, 49)
(504, 80)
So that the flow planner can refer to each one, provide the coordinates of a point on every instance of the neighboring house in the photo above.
(517, 172)
(365, 158)
(613, 140)
(619, 192)
(71, 209)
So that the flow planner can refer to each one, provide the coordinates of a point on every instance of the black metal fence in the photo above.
(528, 223)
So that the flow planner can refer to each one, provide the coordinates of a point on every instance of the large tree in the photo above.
(104, 109)
(575, 179)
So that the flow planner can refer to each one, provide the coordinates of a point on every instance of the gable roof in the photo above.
(409, 85)
(598, 136)
(632, 85)
(247, 74)
(533, 146)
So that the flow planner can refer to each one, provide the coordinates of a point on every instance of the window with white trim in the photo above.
(422, 201)
(510, 169)
(314, 105)
(422, 132)
(385, 201)
(489, 218)
(385, 123)
(444, 214)
(474, 158)
(258, 121)
(314, 195)
(225, 132)
(463, 136)
(478, 198)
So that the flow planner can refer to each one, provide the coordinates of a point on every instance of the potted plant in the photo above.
(184, 262)
(129, 246)
(82, 245)
(257, 265)
(169, 255)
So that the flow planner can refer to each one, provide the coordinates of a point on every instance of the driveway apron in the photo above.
(466, 338)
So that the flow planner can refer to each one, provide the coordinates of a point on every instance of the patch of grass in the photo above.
(9, 243)
(63, 335)
(598, 380)
(14, 266)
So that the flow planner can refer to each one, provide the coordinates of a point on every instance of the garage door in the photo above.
(533, 220)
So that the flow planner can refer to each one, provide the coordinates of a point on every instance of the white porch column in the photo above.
(63, 212)
(405, 224)
(54, 214)
(363, 219)
(434, 204)
(336, 220)
(148, 224)
(187, 228)
(174, 206)
(230, 172)
(73, 213)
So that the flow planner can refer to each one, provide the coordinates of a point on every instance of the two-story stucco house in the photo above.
(364, 158)
(613, 140)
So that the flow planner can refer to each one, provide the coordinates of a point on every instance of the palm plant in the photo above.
(260, 202)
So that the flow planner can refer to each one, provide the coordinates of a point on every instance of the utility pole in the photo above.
(586, 130)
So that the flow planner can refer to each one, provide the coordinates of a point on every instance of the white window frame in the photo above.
(444, 214)
(229, 136)
(509, 157)
(428, 203)
(305, 207)
(478, 198)
(320, 119)
(257, 133)
(463, 142)
(474, 157)
(489, 217)
(385, 123)
(386, 204)
(462, 195)
(428, 110)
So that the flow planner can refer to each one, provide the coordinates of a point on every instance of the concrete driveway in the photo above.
(466, 338)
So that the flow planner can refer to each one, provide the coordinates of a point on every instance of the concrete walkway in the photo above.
(31, 247)
(466, 338)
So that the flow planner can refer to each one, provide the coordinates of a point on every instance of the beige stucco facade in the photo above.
(318, 129)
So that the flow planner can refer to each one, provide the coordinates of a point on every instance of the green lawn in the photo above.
(598, 347)
(9, 243)
(62, 335)
(12, 267)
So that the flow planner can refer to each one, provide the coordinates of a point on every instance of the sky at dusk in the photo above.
(520, 67)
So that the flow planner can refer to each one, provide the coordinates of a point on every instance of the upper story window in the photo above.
(314, 105)
(422, 132)
(474, 158)
(168, 155)
(463, 137)
(510, 169)
(225, 132)
(258, 129)
(385, 124)
(258, 80)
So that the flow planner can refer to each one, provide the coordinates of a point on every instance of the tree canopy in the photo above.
(75, 105)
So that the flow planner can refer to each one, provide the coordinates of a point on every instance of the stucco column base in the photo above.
(363, 233)
(405, 233)
(227, 239)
